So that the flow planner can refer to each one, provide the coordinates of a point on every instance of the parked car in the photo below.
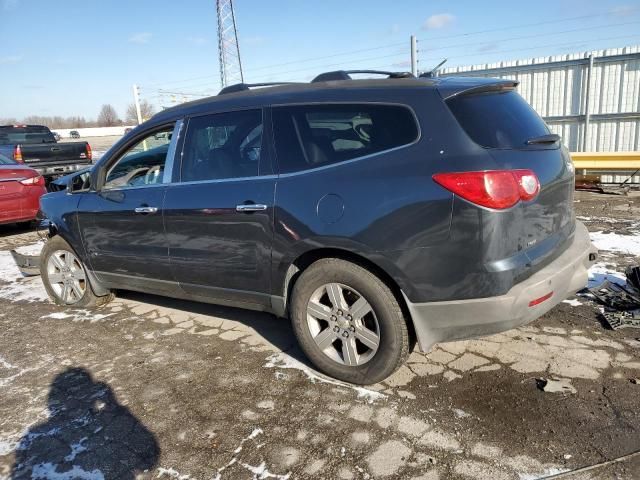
(74, 134)
(36, 146)
(20, 190)
(370, 212)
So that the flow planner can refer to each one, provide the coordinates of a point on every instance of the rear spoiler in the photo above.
(450, 87)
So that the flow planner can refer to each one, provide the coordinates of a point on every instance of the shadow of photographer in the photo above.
(88, 435)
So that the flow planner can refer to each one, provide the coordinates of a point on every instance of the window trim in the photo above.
(351, 160)
(177, 179)
(112, 160)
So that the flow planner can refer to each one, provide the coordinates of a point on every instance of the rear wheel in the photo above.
(65, 277)
(348, 322)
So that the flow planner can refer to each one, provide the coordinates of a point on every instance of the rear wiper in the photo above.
(550, 138)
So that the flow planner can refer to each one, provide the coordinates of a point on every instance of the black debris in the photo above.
(621, 302)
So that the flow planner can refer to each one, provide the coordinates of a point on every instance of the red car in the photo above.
(20, 190)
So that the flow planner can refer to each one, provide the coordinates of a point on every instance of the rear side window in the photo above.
(497, 119)
(310, 136)
(25, 135)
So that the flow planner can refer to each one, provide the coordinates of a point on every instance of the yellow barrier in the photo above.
(606, 160)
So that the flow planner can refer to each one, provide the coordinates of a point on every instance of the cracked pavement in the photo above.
(149, 387)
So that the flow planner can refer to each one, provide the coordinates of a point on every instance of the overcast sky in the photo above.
(69, 57)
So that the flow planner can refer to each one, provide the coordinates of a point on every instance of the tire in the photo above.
(79, 294)
(322, 338)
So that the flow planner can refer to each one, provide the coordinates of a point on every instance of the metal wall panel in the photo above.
(559, 88)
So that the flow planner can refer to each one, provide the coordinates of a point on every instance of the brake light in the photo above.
(17, 154)
(499, 189)
(89, 152)
(37, 181)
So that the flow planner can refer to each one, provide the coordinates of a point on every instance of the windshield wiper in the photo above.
(550, 138)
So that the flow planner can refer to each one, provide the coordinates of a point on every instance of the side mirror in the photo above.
(79, 182)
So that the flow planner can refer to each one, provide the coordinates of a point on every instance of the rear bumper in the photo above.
(459, 319)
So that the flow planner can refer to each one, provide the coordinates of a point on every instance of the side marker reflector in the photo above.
(538, 301)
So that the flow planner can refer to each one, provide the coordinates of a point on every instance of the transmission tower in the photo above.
(228, 48)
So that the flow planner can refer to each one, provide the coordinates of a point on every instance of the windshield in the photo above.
(6, 160)
(25, 135)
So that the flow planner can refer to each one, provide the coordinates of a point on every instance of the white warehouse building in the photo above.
(561, 86)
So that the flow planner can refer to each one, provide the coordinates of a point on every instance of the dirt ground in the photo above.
(149, 387)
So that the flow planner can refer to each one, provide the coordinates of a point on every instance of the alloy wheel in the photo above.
(66, 276)
(343, 324)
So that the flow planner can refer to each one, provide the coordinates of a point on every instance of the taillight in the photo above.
(89, 152)
(37, 181)
(17, 154)
(499, 189)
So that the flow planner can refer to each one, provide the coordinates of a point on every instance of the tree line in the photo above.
(108, 117)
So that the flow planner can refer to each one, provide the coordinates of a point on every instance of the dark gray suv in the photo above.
(372, 213)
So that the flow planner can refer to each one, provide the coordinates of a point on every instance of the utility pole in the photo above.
(228, 48)
(414, 56)
(136, 101)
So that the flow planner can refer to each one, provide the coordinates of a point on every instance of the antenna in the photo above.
(228, 48)
(433, 72)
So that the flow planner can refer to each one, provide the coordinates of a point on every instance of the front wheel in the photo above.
(348, 322)
(65, 278)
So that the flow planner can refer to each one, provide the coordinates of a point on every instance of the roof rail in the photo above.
(240, 87)
(346, 75)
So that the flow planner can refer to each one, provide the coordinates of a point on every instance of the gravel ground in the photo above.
(149, 387)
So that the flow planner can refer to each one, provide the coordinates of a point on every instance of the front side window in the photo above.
(143, 164)
(222, 146)
(310, 136)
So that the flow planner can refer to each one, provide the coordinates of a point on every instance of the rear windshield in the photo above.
(497, 119)
(25, 135)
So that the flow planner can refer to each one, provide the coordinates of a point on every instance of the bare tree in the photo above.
(108, 116)
(51, 122)
(146, 109)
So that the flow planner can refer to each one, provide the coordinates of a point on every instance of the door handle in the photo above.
(146, 209)
(250, 207)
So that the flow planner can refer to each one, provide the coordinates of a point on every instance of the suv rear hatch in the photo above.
(497, 118)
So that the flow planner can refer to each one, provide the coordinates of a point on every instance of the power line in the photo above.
(351, 52)
(535, 47)
(499, 40)
(524, 25)
(380, 47)
(324, 66)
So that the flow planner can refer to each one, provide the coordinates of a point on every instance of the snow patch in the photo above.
(629, 244)
(252, 435)
(282, 360)
(458, 412)
(49, 471)
(599, 272)
(76, 448)
(79, 316)
(33, 250)
(548, 472)
(8, 270)
(172, 473)
(260, 472)
(573, 302)
(18, 287)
